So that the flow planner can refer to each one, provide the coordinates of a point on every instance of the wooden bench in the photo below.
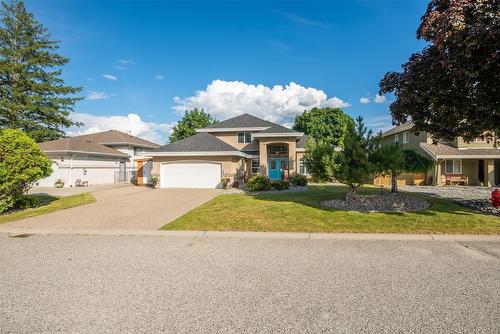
(452, 180)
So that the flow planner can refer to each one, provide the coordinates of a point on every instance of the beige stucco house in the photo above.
(99, 158)
(237, 149)
(457, 161)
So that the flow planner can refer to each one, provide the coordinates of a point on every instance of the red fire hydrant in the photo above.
(495, 198)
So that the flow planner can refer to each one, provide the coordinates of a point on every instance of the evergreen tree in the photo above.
(353, 166)
(33, 97)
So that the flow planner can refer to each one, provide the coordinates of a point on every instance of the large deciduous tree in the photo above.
(324, 124)
(452, 87)
(192, 120)
(33, 96)
(22, 163)
(326, 129)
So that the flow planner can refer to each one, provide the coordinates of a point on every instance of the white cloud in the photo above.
(98, 95)
(364, 100)
(109, 77)
(379, 98)
(120, 67)
(378, 123)
(124, 62)
(280, 104)
(132, 123)
(159, 77)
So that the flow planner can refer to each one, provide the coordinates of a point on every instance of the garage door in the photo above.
(190, 175)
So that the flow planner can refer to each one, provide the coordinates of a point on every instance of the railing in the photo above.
(126, 177)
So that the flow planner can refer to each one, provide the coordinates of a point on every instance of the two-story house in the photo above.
(456, 162)
(98, 158)
(237, 148)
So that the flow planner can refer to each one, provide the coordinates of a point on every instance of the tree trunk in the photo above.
(394, 183)
(351, 194)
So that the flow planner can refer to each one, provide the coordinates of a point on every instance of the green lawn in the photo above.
(301, 212)
(48, 204)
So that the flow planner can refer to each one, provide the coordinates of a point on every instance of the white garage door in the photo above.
(190, 175)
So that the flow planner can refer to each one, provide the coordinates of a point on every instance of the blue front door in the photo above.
(274, 169)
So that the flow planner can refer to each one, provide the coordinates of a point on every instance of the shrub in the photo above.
(259, 183)
(279, 185)
(27, 202)
(225, 182)
(298, 180)
(22, 163)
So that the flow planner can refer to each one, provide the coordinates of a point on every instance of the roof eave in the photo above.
(129, 144)
(196, 153)
(87, 152)
(278, 134)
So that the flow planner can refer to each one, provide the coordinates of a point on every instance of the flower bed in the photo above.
(387, 202)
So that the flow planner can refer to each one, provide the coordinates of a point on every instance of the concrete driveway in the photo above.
(122, 208)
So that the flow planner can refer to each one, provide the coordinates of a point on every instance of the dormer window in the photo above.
(244, 137)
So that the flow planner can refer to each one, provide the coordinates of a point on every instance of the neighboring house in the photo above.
(237, 148)
(474, 163)
(98, 158)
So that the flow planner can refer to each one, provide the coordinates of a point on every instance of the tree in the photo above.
(392, 159)
(33, 97)
(451, 88)
(327, 124)
(353, 165)
(192, 120)
(22, 163)
(325, 128)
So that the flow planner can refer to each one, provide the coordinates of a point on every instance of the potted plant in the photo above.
(154, 181)
(225, 182)
(59, 183)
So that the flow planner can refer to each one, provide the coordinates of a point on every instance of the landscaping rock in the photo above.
(478, 198)
(387, 202)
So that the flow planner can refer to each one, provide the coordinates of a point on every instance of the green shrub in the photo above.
(27, 202)
(22, 163)
(279, 185)
(259, 183)
(298, 180)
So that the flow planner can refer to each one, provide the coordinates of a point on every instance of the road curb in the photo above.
(258, 235)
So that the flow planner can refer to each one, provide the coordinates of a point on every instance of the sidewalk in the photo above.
(255, 235)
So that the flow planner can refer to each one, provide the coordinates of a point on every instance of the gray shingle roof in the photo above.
(250, 121)
(443, 150)
(302, 142)
(117, 137)
(398, 129)
(77, 144)
(200, 142)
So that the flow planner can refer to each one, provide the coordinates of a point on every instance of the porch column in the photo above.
(291, 157)
(263, 158)
(437, 174)
(489, 172)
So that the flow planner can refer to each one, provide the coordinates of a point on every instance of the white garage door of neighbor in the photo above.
(190, 175)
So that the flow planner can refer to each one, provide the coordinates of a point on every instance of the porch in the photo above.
(466, 172)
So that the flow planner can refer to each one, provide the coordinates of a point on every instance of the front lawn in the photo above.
(301, 212)
(48, 204)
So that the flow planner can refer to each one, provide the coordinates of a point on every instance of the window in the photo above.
(255, 166)
(273, 164)
(244, 137)
(396, 138)
(453, 166)
(406, 137)
(302, 167)
(277, 149)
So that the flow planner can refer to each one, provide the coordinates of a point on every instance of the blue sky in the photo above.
(141, 63)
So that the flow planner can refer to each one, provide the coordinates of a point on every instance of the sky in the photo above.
(141, 64)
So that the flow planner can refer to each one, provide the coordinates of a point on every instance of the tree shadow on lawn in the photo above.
(319, 193)
(44, 199)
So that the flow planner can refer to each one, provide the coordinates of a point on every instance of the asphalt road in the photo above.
(95, 284)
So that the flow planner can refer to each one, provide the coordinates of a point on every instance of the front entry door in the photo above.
(274, 169)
